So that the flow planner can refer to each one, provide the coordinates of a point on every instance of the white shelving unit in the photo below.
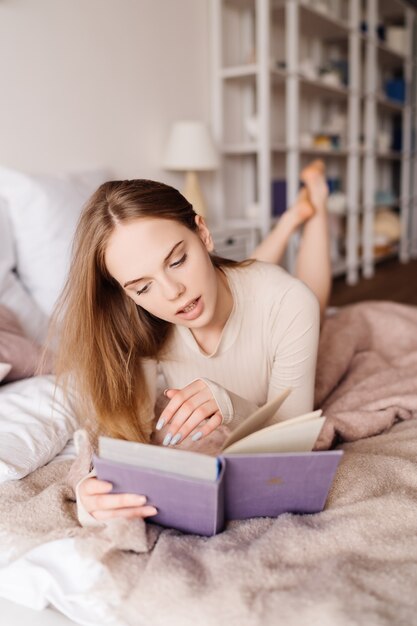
(387, 169)
(412, 222)
(273, 111)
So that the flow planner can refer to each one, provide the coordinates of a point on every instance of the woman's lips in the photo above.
(193, 312)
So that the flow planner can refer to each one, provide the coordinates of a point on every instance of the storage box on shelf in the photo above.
(287, 89)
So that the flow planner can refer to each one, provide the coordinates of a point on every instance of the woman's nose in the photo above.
(173, 290)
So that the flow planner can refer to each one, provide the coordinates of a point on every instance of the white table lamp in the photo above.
(190, 148)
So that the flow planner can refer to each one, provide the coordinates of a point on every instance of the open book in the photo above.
(197, 493)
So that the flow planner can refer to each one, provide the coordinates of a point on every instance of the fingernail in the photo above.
(197, 436)
(160, 424)
(167, 439)
(176, 439)
(141, 499)
(165, 392)
(153, 511)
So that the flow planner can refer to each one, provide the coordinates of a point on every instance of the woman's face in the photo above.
(166, 269)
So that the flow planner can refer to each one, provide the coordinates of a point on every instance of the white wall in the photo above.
(88, 83)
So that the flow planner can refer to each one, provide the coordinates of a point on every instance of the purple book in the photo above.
(256, 485)
(265, 469)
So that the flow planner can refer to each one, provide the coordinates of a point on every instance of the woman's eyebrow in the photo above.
(136, 280)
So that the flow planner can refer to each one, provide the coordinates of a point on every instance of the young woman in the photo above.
(145, 291)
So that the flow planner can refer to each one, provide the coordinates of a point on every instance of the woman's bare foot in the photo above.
(272, 248)
(302, 209)
(314, 178)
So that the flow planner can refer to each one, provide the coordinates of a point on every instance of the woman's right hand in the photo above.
(102, 505)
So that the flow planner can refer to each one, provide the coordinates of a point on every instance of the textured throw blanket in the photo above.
(354, 563)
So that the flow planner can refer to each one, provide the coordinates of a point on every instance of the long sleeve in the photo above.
(84, 517)
(233, 407)
(295, 339)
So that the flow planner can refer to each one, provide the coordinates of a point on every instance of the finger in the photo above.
(93, 485)
(170, 393)
(181, 396)
(114, 501)
(181, 426)
(208, 427)
(141, 512)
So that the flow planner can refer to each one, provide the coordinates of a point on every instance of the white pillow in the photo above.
(4, 370)
(44, 211)
(12, 292)
(13, 295)
(35, 425)
(7, 255)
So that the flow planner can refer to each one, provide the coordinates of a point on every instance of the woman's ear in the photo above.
(204, 233)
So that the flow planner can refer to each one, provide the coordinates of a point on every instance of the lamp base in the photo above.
(193, 193)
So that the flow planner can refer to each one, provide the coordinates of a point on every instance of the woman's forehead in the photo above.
(141, 246)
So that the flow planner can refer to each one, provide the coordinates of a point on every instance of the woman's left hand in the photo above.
(192, 408)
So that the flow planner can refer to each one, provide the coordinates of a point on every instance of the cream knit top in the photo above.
(268, 343)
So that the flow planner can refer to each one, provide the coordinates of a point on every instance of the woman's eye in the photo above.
(179, 262)
(143, 290)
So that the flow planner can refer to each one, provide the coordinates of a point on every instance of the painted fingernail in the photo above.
(176, 439)
(167, 440)
(153, 511)
(160, 424)
(197, 436)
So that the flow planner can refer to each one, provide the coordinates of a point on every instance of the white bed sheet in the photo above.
(16, 615)
(56, 575)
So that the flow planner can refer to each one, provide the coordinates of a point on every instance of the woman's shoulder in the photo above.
(261, 274)
(272, 284)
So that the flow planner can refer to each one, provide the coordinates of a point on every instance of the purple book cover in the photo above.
(258, 485)
(265, 485)
(187, 504)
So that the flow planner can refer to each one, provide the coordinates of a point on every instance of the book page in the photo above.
(258, 419)
(182, 462)
(300, 436)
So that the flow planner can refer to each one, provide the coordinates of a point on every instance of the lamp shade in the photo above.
(190, 148)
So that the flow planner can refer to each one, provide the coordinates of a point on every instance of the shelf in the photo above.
(325, 153)
(239, 71)
(240, 149)
(389, 156)
(240, 4)
(389, 105)
(313, 21)
(320, 88)
(393, 9)
(278, 75)
(313, 86)
(236, 223)
(380, 206)
(384, 256)
(279, 147)
(390, 57)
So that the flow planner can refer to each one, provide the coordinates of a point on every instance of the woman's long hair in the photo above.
(103, 336)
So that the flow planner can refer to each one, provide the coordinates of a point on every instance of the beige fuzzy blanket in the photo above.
(355, 563)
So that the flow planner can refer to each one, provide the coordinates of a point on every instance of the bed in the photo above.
(354, 563)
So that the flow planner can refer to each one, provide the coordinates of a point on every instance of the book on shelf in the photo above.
(264, 469)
